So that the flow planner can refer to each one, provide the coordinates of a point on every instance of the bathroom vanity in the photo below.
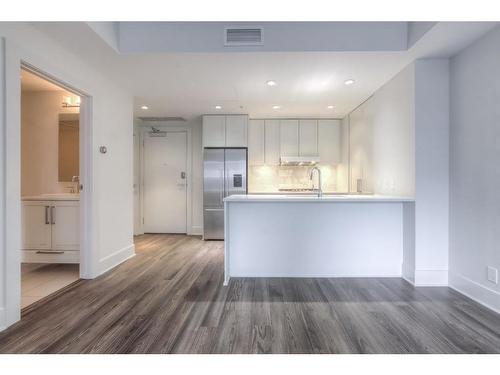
(50, 228)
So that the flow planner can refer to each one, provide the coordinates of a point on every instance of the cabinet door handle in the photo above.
(49, 252)
(53, 215)
(47, 215)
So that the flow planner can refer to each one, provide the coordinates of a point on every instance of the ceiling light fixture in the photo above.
(330, 107)
(349, 82)
(144, 107)
(218, 107)
(271, 83)
(276, 107)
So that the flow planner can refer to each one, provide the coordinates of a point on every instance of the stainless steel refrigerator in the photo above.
(224, 174)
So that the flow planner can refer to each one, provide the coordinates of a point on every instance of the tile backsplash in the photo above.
(267, 178)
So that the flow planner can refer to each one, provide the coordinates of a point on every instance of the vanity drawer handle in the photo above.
(49, 252)
(47, 215)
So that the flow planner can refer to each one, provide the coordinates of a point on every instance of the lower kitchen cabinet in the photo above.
(50, 231)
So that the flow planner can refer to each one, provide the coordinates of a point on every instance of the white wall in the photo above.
(196, 170)
(111, 208)
(382, 138)
(399, 146)
(431, 171)
(475, 169)
(39, 142)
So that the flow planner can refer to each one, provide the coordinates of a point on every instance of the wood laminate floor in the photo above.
(170, 299)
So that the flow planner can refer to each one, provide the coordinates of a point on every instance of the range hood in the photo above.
(299, 160)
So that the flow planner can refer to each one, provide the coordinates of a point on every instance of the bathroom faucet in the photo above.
(311, 175)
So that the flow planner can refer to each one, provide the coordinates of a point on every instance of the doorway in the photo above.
(165, 193)
(50, 187)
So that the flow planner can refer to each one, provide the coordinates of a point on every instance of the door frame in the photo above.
(189, 168)
(85, 167)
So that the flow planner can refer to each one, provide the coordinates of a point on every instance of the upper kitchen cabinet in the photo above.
(256, 140)
(329, 141)
(225, 131)
(289, 137)
(272, 142)
(236, 131)
(214, 131)
(308, 138)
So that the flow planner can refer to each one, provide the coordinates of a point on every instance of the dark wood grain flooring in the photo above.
(170, 299)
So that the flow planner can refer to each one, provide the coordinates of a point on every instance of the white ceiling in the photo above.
(189, 84)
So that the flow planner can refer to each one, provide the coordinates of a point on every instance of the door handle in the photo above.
(183, 175)
(53, 215)
(47, 215)
(49, 252)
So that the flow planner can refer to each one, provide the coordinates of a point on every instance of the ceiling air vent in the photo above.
(243, 36)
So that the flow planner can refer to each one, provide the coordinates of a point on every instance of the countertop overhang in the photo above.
(315, 199)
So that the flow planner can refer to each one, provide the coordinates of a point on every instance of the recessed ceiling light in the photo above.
(144, 107)
(218, 107)
(271, 83)
(349, 82)
(330, 107)
(276, 107)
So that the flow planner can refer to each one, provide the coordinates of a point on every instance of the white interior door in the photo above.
(165, 182)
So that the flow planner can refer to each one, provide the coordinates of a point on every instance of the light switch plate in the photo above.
(493, 275)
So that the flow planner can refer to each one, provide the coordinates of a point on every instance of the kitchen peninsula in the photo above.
(311, 236)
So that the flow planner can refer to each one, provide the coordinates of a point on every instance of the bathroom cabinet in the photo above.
(50, 231)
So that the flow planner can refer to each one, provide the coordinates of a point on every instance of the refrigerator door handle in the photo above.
(221, 190)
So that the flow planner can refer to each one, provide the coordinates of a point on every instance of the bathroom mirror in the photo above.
(69, 146)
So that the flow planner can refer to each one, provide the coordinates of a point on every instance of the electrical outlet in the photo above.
(493, 275)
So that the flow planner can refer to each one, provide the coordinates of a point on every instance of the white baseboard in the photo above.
(114, 259)
(431, 278)
(410, 280)
(196, 230)
(475, 291)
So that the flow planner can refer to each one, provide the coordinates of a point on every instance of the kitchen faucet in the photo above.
(311, 175)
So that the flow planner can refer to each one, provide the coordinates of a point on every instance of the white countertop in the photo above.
(52, 197)
(314, 198)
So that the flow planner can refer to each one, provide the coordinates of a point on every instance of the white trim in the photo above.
(116, 258)
(431, 278)
(475, 291)
(12, 185)
(412, 282)
(196, 230)
(2, 319)
(189, 171)
(87, 270)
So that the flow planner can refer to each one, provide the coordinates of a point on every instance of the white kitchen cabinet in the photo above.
(308, 138)
(236, 131)
(214, 131)
(256, 137)
(225, 131)
(36, 228)
(50, 231)
(272, 142)
(329, 141)
(289, 138)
